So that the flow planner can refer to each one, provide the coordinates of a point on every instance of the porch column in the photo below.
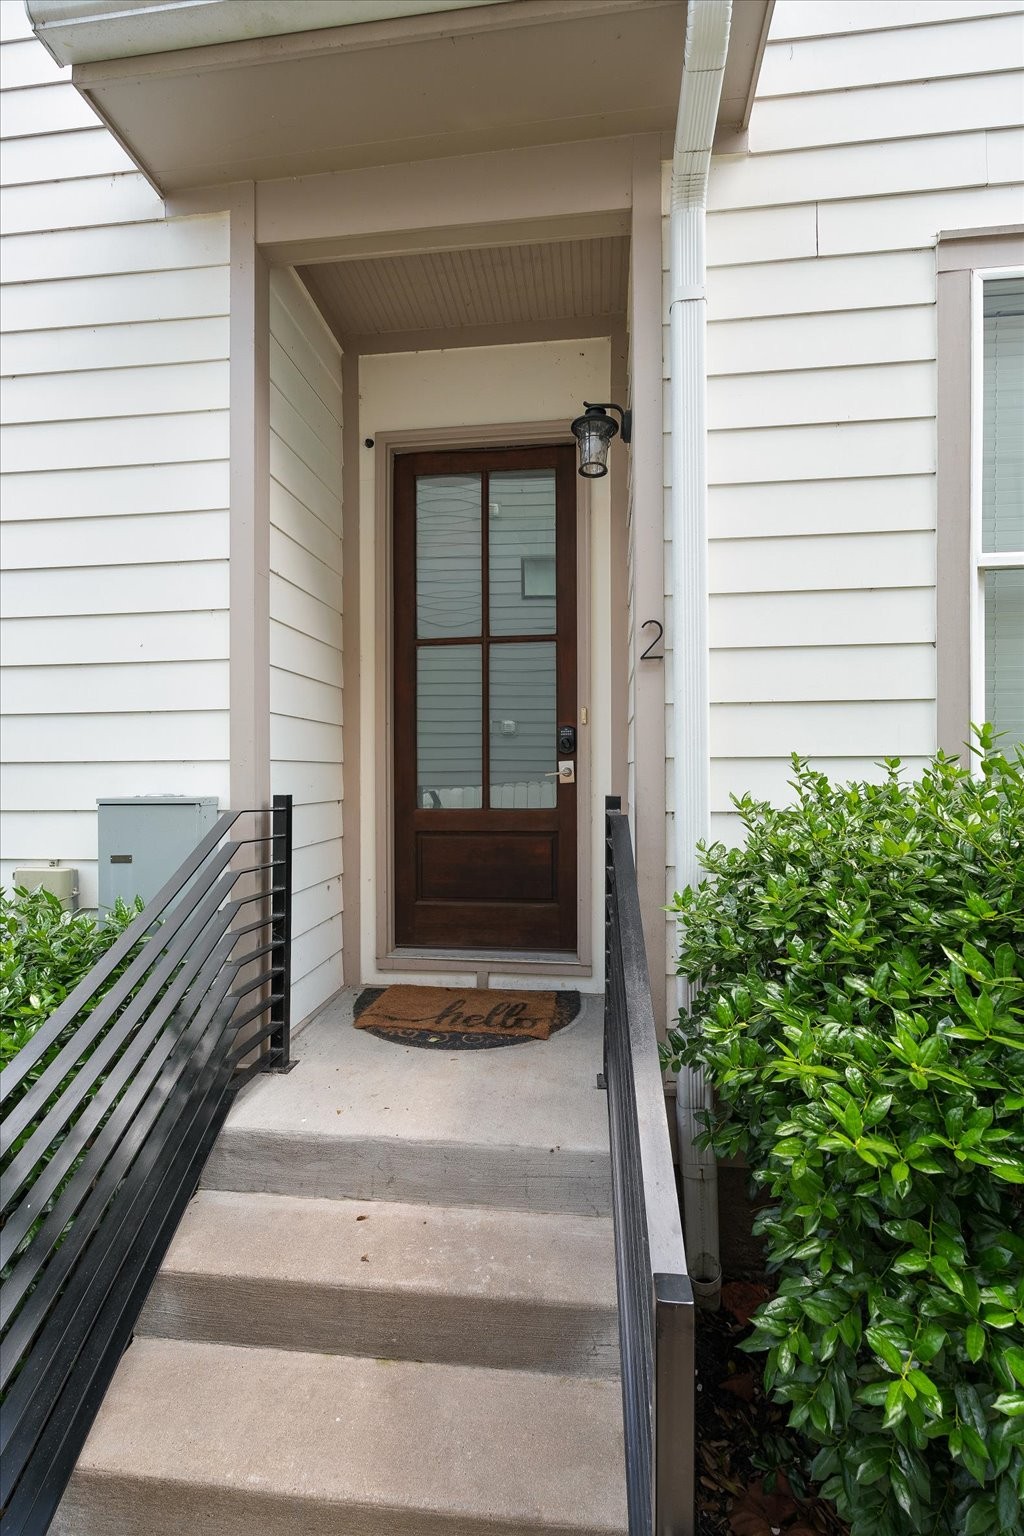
(249, 538)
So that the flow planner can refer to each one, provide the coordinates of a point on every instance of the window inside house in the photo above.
(999, 503)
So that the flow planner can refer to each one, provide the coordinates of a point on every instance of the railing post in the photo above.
(612, 803)
(281, 932)
(674, 1406)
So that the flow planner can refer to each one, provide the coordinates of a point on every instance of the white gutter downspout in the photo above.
(707, 43)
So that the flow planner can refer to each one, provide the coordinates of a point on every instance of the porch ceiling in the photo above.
(458, 289)
(409, 88)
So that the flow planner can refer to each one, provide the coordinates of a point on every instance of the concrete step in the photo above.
(228, 1441)
(524, 1128)
(511, 1177)
(467, 1286)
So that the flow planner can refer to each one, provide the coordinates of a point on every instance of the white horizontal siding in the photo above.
(116, 491)
(778, 343)
(154, 390)
(796, 19)
(843, 449)
(825, 563)
(153, 539)
(136, 346)
(46, 787)
(306, 744)
(848, 727)
(864, 616)
(888, 280)
(770, 778)
(971, 46)
(876, 125)
(106, 442)
(116, 689)
(189, 586)
(60, 156)
(799, 673)
(116, 300)
(188, 636)
(842, 171)
(68, 205)
(114, 495)
(809, 396)
(906, 110)
(878, 504)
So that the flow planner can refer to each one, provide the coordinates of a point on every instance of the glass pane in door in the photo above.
(449, 727)
(521, 534)
(449, 598)
(523, 735)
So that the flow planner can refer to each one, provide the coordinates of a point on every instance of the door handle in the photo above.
(565, 773)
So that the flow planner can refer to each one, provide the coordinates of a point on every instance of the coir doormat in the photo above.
(452, 1019)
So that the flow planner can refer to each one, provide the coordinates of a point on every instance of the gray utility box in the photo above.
(142, 842)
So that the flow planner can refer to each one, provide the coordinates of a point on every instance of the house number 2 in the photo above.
(651, 654)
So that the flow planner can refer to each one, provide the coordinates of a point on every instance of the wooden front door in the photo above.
(485, 699)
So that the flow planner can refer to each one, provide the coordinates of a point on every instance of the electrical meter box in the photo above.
(142, 841)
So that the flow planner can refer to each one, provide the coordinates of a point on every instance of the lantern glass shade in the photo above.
(594, 433)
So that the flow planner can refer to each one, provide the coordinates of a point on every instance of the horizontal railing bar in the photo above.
(44, 1037)
(258, 981)
(261, 922)
(206, 966)
(258, 1068)
(40, 1381)
(180, 961)
(117, 1165)
(243, 1047)
(254, 954)
(241, 1020)
(93, 1023)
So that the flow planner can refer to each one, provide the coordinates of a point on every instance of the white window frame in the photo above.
(965, 259)
(981, 562)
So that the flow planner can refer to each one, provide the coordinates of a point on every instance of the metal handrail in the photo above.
(656, 1315)
(104, 1144)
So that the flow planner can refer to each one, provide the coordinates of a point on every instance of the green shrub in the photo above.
(44, 953)
(859, 968)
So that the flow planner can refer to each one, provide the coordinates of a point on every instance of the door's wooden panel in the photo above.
(489, 925)
(482, 866)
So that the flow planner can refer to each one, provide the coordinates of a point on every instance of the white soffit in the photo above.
(85, 31)
(412, 87)
(493, 286)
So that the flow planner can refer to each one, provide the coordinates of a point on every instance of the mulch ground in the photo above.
(750, 1468)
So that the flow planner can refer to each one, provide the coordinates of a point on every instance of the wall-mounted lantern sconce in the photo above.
(594, 432)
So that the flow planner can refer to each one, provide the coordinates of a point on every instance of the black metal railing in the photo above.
(109, 1113)
(656, 1318)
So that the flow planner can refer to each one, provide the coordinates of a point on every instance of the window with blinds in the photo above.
(1000, 572)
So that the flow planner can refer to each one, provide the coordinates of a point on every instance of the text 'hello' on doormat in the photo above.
(456, 1019)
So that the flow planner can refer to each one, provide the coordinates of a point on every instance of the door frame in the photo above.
(387, 446)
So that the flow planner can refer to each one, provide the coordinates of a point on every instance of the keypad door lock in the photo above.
(566, 739)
